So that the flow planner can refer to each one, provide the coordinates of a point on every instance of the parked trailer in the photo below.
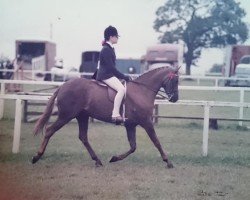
(237, 56)
(163, 55)
(89, 62)
(35, 55)
(129, 65)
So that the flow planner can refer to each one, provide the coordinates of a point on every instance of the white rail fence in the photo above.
(18, 115)
(206, 104)
(3, 84)
(37, 63)
(241, 90)
(216, 79)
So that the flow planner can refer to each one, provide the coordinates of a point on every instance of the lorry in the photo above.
(237, 65)
(35, 56)
(163, 55)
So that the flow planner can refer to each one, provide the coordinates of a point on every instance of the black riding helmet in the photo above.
(110, 31)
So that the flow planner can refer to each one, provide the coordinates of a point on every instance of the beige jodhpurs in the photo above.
(114, 83)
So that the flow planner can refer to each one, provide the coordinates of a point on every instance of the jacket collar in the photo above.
(109, 45)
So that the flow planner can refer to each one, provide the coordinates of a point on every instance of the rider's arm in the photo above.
(109, 62)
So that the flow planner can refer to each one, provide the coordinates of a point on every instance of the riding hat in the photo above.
(110, 31)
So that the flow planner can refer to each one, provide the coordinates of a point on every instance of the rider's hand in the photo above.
(128, 78)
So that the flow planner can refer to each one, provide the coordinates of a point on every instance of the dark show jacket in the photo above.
(107, 67)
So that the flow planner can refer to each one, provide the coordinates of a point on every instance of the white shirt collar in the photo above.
(110, 44)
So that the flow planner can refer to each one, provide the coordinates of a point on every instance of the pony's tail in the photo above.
(46, 114)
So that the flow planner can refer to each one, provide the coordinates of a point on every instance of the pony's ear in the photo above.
(171, 75)
(177, 70)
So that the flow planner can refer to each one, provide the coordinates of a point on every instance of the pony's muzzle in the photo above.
(173, 98)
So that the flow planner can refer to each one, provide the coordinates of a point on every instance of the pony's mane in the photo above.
(152, 70)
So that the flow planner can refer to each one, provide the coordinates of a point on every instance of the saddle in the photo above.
(111, 91)
(111, 97)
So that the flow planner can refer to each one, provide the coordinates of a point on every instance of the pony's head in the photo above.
(170, 85)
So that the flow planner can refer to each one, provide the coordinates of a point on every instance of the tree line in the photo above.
(201, 24)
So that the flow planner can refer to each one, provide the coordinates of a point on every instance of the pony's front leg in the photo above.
(131, 130)
(152, 135)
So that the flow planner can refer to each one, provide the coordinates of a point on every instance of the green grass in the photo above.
(67, 172)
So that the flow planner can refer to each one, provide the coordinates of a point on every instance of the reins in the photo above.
(156, 92)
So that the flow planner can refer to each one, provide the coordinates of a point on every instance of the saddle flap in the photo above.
(111, 94)
(111, 91)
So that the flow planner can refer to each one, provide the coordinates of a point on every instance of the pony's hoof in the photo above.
(35, 159)
(98, 164)
(170, 165)
(114, 159)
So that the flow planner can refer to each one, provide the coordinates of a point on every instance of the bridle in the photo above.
(169, 94)
(170, 76)
(156, 92)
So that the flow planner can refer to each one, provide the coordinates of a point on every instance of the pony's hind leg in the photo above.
(83, 136)
(59, 123)
(131, 130)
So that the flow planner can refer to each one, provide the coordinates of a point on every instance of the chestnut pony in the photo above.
(83, 98)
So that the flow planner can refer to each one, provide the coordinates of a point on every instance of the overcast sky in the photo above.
(77, 26)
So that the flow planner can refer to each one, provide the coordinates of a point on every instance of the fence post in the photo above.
(241, 110)
(17, 128)
(205, 129)
(156, 113)
(198, 81)
(33, 64)
(2, 100)
(25, 111)
(216, 82)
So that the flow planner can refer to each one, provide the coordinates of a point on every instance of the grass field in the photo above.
(67, 172)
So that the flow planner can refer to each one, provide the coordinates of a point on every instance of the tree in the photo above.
(201, 24)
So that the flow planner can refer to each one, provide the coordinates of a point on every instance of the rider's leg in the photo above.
(114, 83)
